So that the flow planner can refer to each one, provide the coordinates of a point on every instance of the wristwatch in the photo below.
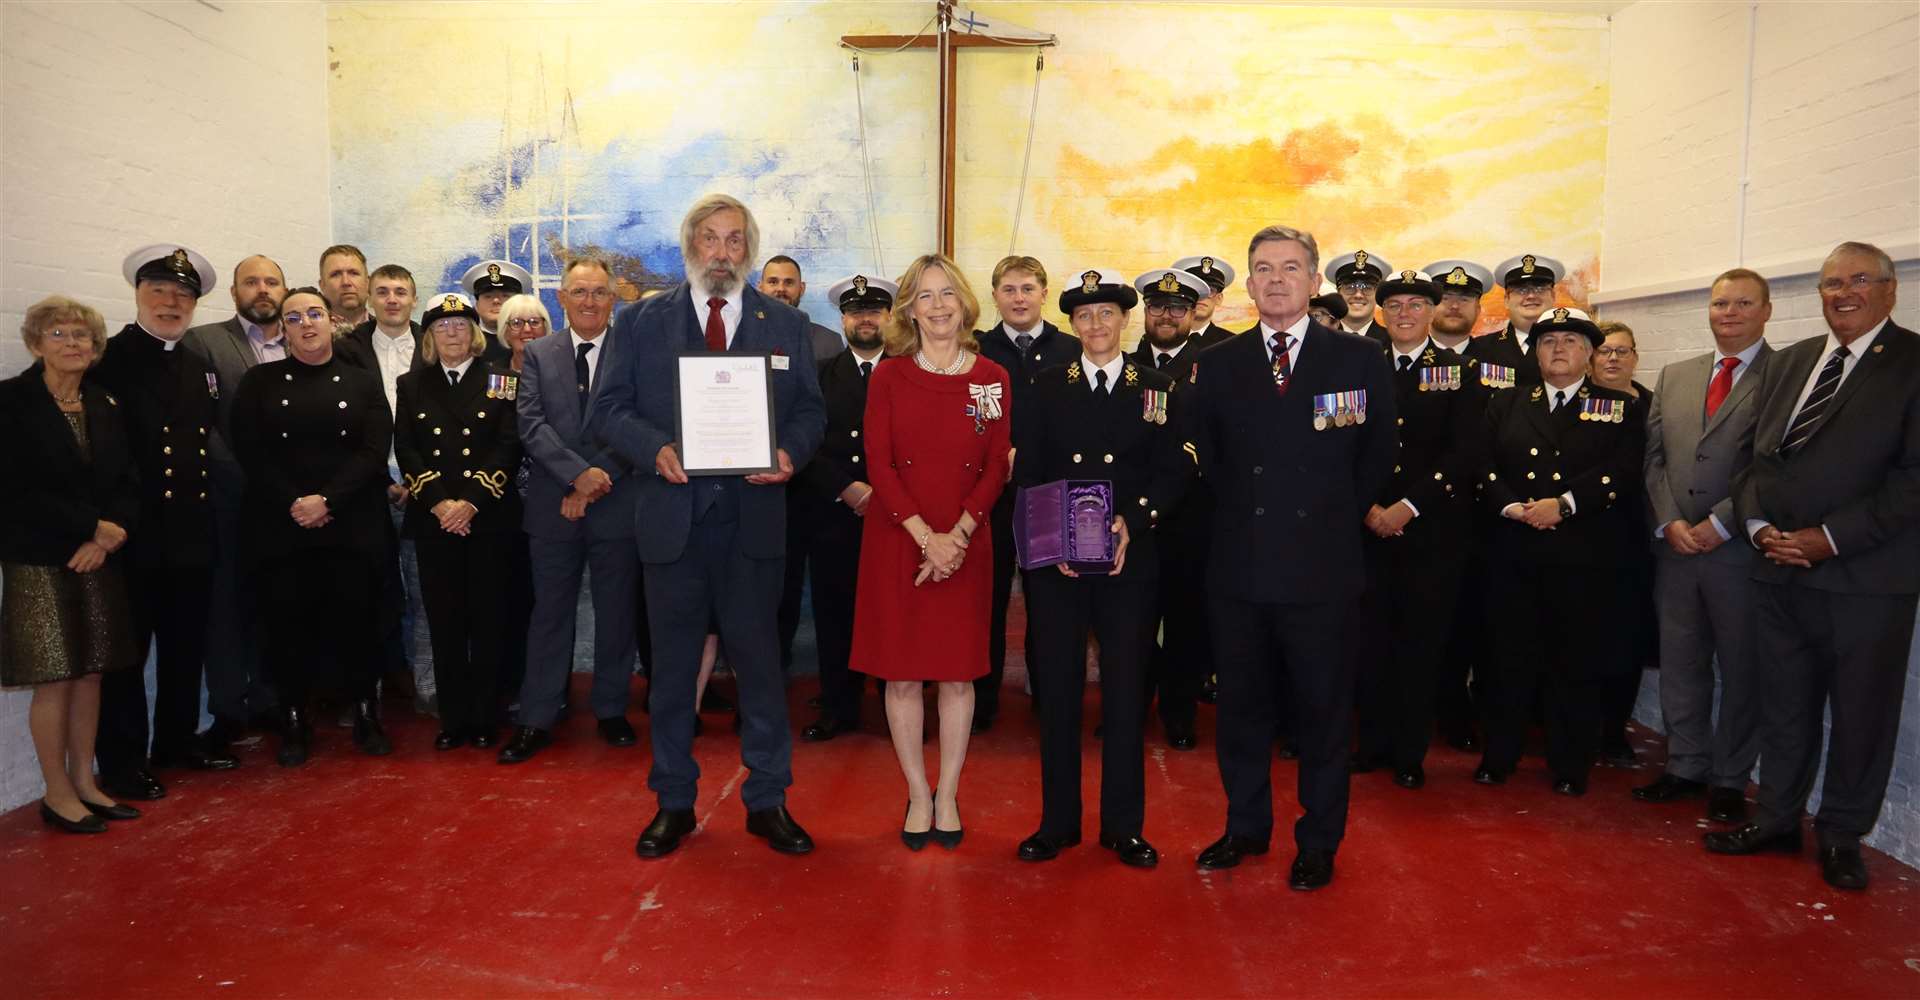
(1566, 509)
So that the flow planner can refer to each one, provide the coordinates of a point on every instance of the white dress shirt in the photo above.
(1298, 331)
(395, 357)
(593, 356)
(1112, 368)
(1172, 352)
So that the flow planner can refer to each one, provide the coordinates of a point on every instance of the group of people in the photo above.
(1342, 525)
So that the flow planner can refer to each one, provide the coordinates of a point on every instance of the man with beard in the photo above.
(167, 398)
(239, 691)
(1357, 275)
(343, 277)
(1507, 358)
(1183, 658)
(713, 546)
(780, 278)
(1218, 274)
(1462, 283)
(830, 496)
(1024, 344)
(490, 284)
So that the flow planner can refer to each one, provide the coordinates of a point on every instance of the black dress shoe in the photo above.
(296, 738)
(826, 729)
(1752, 839)
(117, 811)
(777, 827)
(1463, 742)
(913, 840)
(661, 836)
(483, 738)
(1134, 852)
(136, 785)
(1045, 846)
(1411, 777)
(1668, 788)
(448, 741)
(1843, 867)
(1228, 850)
(617, 731)
(89, 823)
(1568, 786)
(1727, 805)
(368, 735)
(1484, 775)
(1312, 869)
(1365, 763)
(1619, 755)
(196, 758)
(526, 742)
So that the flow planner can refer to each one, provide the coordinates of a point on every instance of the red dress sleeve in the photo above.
(889, 492)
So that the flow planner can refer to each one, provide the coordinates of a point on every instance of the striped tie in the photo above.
(1808, 418)
(1282, 361)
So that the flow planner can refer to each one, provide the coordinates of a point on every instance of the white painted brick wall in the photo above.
(1834, 155)
(134, 123)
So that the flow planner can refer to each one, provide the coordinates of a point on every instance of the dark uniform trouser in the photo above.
(833, 552)
(1406, 615)
(1119, 614)
(463, 585)
(1549, 643)
(1257, 648)
(986, 690)
(1459, 699)
(1183, 658)
(237, 685)
(612, 567)
(320, 627)
(1847, 652)
(1640, 645)
(169, 608)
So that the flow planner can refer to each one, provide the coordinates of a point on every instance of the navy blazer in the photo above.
(1290, 501)
(554, 430)
(633, 413)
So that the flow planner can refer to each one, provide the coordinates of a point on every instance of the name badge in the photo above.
(780, 362)
(1340, 409)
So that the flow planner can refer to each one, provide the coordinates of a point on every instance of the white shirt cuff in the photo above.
(1572, 508)
(1829, 534)
(1725, 535)
(1410, 506)
(1754, 524)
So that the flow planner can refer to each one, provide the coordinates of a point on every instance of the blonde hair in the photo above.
(901, 335)
(520, 306)
(56, 309)
(1020, 262)
(430, 351)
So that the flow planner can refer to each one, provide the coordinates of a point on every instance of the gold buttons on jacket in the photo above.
(1533, 451)
(1606, 480)
(1076, 457)
(166, 449)
(1107, 459)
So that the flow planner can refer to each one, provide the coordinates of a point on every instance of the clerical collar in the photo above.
(165, 344)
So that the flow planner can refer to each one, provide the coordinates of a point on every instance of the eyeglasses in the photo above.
(1175, 309)
(1356, 287)
(313, 316)
(1858, 283)
(60, 336)
(526, 322)
(1612, 352)
(585, 294)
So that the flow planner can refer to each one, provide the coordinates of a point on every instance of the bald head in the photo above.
(258, 288)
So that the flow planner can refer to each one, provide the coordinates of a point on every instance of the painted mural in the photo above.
(536, 131)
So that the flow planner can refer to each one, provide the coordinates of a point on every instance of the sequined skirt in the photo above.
(56, 624)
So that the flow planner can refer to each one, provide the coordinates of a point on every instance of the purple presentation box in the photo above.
(1067, 521)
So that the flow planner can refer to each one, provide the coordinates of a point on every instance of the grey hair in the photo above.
(1879, 255)
(587, 260)
(707, 207)
(1273, 234)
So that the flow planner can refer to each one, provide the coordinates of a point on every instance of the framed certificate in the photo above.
(723, 405)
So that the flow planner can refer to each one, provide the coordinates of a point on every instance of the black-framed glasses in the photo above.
(1168, 309)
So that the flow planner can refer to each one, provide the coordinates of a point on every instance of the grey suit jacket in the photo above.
(225, 346)
(554, 430)
(1692, 459)
(1858, 475)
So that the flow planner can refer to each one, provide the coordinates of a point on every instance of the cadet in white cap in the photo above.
(1218, 274)
(1462, 283)
(1356, 275)
(491, 283)
(1529, 280)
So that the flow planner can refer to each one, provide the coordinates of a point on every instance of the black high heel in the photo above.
(914, 841)
(87, 824)
(115, 811)
(948, 839)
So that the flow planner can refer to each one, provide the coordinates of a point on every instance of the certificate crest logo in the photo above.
(722, 378)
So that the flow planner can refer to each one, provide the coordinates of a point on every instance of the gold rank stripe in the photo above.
(495, 483)
(414, 484)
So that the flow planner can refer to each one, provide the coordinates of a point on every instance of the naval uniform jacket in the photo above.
(1051, 346)
(1129, 435)
(458, 443)
(1533, 454)
(1503, 348)
(1441, 420)
(302, 429)
(168, 404)
(842, 458)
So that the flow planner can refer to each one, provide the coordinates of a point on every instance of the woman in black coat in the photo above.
(64, 618)
(1639, 631)
(458, 444)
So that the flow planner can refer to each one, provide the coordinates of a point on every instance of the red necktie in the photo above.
(1721, 385)
(1282, 361)
(716, 327)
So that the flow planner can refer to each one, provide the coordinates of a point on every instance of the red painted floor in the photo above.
(446, 875)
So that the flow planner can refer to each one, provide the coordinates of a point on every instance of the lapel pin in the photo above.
(1877, 348)
(758, 314)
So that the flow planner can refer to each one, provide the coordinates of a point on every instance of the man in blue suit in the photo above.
(713, 547)
(579, 512)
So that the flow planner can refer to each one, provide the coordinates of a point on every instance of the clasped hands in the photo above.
(310, 511)
(588, 486)
(1541, 514)
(456, 516)
(1801, 547)
(92, 553)
(1389, 522)
(942, 555)
(1692, 539)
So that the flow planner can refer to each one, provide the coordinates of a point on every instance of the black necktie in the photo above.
(1161, 361)
(582, 375)
(1559, 399)
(1023, 342)
(1100, 381)
(453, 377)
(1808, 418)
(1406, 362)
(866, 368)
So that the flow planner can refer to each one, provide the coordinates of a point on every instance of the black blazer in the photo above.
(1077, 434)
(1859, 474)
(1533, 454)
(303, 429)
(1441, 440)
(842, 458)
(169, 404)
(1052, 346)
(1503, 348)
(1290, 500)
(57, 496)
(459, 443)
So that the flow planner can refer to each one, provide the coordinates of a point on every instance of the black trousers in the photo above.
(321, 629)
(519, 612)
(1846, 653)
(833, 553)
(1639, 646)
(1182, 660)
(169, 608)
(986, 690)
(1559, 642)
(463, 584)
(1467, 659)
(800, 528)
(1118, 612)
(237, 684)
(1258, 648)
(1406, 617)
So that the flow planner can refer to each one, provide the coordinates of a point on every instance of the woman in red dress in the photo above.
(937, 441)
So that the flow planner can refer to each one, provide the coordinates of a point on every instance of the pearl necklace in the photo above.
(959, 362)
